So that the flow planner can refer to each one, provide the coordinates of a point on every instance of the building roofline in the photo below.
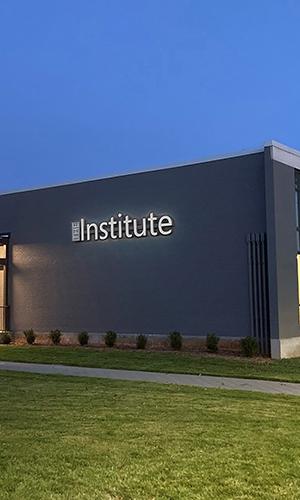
(138, 172)
(284, 154)
(283, 147)
(279, 152)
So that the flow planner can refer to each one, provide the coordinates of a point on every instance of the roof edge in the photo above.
(137, 172)
(284, 154)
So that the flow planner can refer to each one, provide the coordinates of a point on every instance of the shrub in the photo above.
(141, 341)
(83, 338)
(212, 342)
(249, 346)
(55, 336)
(175, 340)
(30, 336)
(110, 338)
(5, 338)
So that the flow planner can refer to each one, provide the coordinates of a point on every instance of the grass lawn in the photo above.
(173, 362)
(74, 438)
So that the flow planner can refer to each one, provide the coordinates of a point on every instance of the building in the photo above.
(207, 247)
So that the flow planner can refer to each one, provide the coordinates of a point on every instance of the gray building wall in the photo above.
(282, 253)
(194, 281)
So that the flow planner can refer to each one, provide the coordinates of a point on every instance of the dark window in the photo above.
(297, 197)
(297, 194)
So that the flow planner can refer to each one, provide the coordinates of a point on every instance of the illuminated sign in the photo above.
(123, 226)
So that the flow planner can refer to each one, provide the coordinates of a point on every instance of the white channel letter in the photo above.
(112, 223)
(152, 218)
(82, 222)
(90, 226)
(103, 233)
(165, 221)
(127, 221)
(143, 232)
(120, 225)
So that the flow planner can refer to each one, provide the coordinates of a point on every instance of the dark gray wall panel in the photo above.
(195, 281)
(281, 228)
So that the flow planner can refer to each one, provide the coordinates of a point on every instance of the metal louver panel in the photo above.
(258, 290)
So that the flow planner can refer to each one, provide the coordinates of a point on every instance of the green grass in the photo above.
(285, 370)
(74, 438)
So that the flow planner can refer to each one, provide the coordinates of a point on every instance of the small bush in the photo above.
(30, 336)
(55, 336)
(212, 342)
(141, 341)
(110, 338)
(83, 338)
(249, 346)
(5, 338)
(175, 340)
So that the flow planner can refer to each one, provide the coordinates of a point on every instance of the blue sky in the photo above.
(99, 87)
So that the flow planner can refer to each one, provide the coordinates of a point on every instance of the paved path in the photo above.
(163, 378)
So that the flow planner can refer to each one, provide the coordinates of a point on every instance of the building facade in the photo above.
(210, 247)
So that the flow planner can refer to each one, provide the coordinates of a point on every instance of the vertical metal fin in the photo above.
(258, 290)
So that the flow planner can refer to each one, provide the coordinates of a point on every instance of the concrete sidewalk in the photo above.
(203, 381)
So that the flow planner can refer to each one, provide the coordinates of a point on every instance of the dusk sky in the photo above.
(101, 87)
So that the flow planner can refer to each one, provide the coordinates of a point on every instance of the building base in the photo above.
(285, 348)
